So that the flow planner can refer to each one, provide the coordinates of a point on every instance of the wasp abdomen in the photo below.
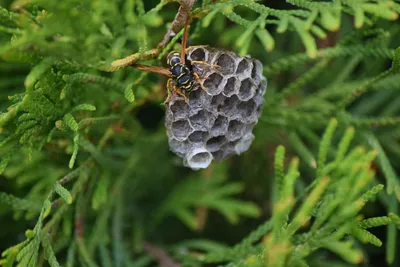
(183, 77)
(181, 73)
(178, 70)
(185, 82)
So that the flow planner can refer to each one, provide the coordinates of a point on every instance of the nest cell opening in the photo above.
(220, 126)
(217, 102)
(199, 158)
(180, 109)
(212, 83)
(246, 109)
(199, 98)
(230, 87)
(214, 144)
(235, 130)
(243, 66)
(202, 120)
(246, 90)
(229, 106)
(227, 64)
(195, 99)
(255, 71)
(197, 137)
(198, 54)
(181, 129)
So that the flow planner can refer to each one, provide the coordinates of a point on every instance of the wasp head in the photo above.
(173, 58)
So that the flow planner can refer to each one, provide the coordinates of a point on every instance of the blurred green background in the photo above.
(128, 190)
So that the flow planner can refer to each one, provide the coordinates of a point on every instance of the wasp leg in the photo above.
(179, 92)
(198, 80)
(176, 90)
(215, 67)
(169, 87)
(205, 63)
(195, 46)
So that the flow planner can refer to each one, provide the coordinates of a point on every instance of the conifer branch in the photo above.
(177, 24)
(60, 111)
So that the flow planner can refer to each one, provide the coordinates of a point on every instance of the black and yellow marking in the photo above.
(173, 58)
(182, 75)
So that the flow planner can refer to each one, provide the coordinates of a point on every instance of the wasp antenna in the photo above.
(154, 69)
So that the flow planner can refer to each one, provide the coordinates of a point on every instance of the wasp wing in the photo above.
(154, 69)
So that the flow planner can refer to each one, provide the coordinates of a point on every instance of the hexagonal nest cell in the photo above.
(246, 90)
(243, 66)
(227, 64)
(216, 123)
(230, 87)
(181, 129)
(213, 84)
(198, 54)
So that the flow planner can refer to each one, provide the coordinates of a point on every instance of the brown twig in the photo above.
(132, 59)
(159, 255)
(177, 24)
(79, 227)
(56, 203)
(179, 21)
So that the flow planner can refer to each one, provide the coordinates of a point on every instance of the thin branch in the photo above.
(177, 24)
(130, 60)
(179, 21)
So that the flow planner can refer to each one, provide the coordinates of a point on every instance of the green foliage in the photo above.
(210, 194)
(333, 203)
(328, 15)
(84, 159)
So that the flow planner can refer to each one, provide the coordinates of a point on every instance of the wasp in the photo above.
(181, 75)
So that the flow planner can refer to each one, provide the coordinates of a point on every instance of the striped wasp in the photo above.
(181, 75)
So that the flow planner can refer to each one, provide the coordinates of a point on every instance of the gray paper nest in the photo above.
(218, 122)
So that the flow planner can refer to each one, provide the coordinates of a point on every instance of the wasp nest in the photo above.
(216, 123)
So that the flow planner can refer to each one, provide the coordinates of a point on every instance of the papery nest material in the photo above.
(216, 123)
